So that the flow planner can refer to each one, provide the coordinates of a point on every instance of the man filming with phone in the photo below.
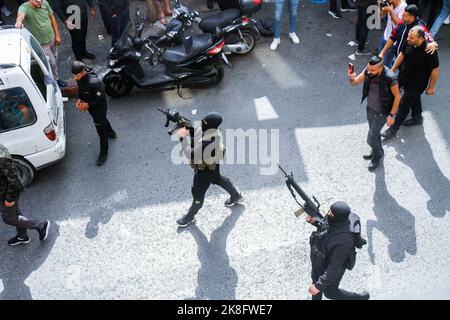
(383, 98)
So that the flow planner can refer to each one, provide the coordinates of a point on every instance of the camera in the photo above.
(384, 3)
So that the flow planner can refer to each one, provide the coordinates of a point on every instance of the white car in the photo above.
(31, 104)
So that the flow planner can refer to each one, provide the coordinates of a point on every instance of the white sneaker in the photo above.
(294, 37)
(447, 21)
(5, 11)
(275, 43)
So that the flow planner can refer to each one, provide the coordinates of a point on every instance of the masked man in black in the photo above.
(204, 153)
(93, 99)
(333, 251)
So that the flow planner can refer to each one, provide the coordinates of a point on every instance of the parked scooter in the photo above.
(239, 30)
(194, 63)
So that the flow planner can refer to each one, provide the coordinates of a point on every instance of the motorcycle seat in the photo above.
(221, 19)
(191, 47)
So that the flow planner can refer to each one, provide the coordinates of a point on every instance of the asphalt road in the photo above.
(114, 234)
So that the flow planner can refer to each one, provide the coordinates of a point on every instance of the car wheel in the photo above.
(26, 171)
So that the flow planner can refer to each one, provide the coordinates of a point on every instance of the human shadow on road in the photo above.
(217, 280)
(104, 212)
(18, 263)
(426, 170)
(394, 221)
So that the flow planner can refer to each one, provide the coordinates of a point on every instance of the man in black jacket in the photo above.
(383, 98)
(332, 252)
(10, 190)
(92, 98)
(204, 154)
(77, 26)
(419, 73)
(120, 17)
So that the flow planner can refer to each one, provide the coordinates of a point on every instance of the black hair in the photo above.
(375, 60)
(420, 31)
(77, 67)
(412, 10)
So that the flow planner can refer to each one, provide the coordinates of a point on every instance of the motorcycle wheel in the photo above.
(218, 77)
(118, 87)
(249, 40)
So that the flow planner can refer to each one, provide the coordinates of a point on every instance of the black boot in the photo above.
(368, 156)
(112, 135)
(88, 55)
(375, 161)
(102, 159)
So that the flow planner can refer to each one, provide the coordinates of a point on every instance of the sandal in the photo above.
(163, 20)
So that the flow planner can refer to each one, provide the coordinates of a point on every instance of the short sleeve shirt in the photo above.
(37, 21)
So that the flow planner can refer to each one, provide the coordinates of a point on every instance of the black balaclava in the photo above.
(77, 67)
(213, 121)
(340, 210)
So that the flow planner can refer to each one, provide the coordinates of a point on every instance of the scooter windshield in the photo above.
(123, 41)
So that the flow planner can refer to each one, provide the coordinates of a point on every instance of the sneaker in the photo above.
(368, 156)
(61, 83)
(16, 240)
(43, 232)
(335, 15)
(364, 52)
(6, 11)
(294, 37)
(447, 21)
(413, 122)
(349, 7)
(356, 43)
(112, 135)
(101, 159)
(230, 202)
(275, 43)
(185, 220)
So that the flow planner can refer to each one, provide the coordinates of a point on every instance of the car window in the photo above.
(40, 53)
(38, 77)
(16, 110)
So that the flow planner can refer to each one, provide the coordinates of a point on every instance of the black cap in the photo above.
(213, 121)
(340, 211)
(412, 10)
(77, 67)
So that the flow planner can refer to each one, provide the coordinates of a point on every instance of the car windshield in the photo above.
(16, 110)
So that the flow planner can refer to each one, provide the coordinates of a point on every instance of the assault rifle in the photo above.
(311, 208)
(179, 120)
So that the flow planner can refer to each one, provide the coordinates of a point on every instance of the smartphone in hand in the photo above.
(351, 68)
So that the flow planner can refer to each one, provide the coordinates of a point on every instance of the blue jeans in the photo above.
(445, 12)
(389, 56)
(293, 8)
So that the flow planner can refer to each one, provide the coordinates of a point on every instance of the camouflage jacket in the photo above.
(10, 184)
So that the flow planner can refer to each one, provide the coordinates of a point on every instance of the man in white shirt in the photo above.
(394, 11)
